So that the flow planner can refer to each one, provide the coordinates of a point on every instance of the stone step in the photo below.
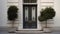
(29, 32)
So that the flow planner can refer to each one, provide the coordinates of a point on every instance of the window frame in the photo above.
(30, 2)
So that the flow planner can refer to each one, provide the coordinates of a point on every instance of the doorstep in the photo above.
(30, 31)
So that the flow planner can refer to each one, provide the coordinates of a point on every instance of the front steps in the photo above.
(29, 32)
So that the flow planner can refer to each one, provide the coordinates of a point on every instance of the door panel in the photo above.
(29, 16)
(33, 13)
(26, 13)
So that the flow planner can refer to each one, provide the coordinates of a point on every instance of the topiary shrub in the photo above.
(12, 14)
(47, 13)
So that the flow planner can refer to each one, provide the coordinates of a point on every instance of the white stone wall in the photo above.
(57, 9)
(12, 2)
(3, 13)
(19, 3)
(20, 27)
(47, 3)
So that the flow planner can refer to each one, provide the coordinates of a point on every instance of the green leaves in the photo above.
(41, 18)
(47, 13)
(12, 13)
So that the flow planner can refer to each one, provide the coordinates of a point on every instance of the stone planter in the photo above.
(11, 30)
(49, 26)
(14, 28)
(47, 30)
(43, 25)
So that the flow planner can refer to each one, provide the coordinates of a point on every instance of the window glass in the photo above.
(29, 1)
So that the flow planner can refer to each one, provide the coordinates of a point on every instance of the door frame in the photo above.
(20, 15)
(31, 15)
(38, 28)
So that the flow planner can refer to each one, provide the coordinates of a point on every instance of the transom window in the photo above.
(30, 1)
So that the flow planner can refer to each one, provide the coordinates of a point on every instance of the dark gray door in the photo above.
(29, 16)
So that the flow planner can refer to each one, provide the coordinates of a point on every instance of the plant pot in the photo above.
(11, 30)
(49, 26)
(47, 30)
(43, 25)
(14, 28)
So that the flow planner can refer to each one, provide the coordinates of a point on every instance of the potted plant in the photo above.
(46, 14)
(42, 19)
(12, 15)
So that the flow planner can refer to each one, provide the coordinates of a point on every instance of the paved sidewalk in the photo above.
(6, 32)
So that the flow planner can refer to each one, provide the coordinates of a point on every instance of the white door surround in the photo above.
(20, 27)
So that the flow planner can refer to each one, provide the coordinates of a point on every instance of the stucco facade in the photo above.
(19, 3)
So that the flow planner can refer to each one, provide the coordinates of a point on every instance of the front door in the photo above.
(29, 16)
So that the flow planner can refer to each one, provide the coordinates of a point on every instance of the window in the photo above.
(30, 1)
